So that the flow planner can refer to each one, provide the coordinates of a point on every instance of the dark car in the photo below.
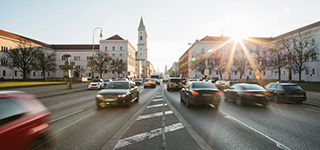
(138, 81)
(197, 93)
(243, 94)
(117, 93)
(24, 122)
(174, 84)
(150, 83)
(106, 81)
(286, 92)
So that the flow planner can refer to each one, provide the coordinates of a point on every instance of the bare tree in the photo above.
(277, 58)
(200, 64)
(22, 58)
(240, 63)
(45, 61)
(100, 62)
(218, 63)
(300, 49)
(118, 66)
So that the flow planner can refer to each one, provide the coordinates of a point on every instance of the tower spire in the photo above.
(141, 25)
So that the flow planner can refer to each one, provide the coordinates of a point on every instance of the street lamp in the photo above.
(92, 76)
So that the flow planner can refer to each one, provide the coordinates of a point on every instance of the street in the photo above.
(77, 124)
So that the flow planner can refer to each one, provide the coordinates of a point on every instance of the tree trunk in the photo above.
(44, 75)
(24, 75)
(220, 75)
(101, 74)
(300, 76)
(279, 74)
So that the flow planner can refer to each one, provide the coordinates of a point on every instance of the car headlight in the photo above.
(122, 95)
(99, 97)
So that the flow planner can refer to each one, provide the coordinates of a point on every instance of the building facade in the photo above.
(183, 65)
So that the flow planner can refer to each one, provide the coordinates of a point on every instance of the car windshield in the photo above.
(96, 80)
(118, 85)
(252, 87)
(203, 85)
(175, 80)
(292, 88)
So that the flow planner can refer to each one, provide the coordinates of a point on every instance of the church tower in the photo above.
(142, 53)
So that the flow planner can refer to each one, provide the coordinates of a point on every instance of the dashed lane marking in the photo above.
(156, 100)
(157, 105)
(154, 115)
(147, 135)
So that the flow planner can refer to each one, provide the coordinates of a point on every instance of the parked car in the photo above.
(96, 84)
(286, 92)
(174, 83)
(196, 93)
(150, 83)
(117, 93)
(243, 94)
(138, 81)
(24, 122)
(106, 82)
(220, 84)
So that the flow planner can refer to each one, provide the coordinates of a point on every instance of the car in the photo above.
(121, 79)
(228, 84)
(157, 77)
(244, 94)
(24, 122)
(174, 84)
(197, 93)
(184, 80)
(220, 84)
(96, 84)
(286, 92)
(150, 83)
(138, 81)
(117, 93)
(145, 80)
(106, 82)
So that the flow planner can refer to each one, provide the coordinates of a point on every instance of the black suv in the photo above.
(286, 92)
(174, 83)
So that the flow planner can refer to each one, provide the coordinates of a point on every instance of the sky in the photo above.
(170, 24)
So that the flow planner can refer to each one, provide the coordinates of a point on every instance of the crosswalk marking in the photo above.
(156, 100)
(157, 105)
(154, 115)
(147, 135)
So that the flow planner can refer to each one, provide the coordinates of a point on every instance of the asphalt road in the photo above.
(76, 124)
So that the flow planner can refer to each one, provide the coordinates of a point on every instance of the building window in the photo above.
(120, 48)
(48, 74)
(106, 48)
(120, 55)
(249, 72)
(63, 58)
(140, 49)
(34, 74)
(217, 73)
(307, 71)
(140, 54)
(140, 38)
(284, 72)
(113, 55)
(41, 74)
(113, 48)
(76, 57)
(89, 57)
(236, 72)
(264, 73)
(4, 73)
(15, 73)
(313, 71)
(202, 51)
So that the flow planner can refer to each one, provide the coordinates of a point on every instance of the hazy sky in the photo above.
(170, 24)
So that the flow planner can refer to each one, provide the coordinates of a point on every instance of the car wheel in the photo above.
(137, 100)
(239, 101)
(276, 99)
(181, 100)
(144, 87)
(187, 102)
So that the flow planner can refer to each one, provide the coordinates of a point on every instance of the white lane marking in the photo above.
(147, 135)
(278, 144)
(158, 96)
(312, 110)
(157, 105)
(153, 115)
(73, 122)
(156, 100)
(65, 116)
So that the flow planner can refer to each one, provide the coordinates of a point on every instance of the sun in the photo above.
(238, 37)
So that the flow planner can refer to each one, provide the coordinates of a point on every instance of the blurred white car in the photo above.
(96, 84)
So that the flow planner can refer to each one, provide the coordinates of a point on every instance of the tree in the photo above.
(200, 64)
(23, 58)
(240, 63)
(300, 49)
(100, 62)
(277, 58)
(118, 66)
(45, 61)
(218, 62)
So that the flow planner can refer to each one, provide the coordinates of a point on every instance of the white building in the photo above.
(142, 51)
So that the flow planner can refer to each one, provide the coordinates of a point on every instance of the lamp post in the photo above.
(92, 76)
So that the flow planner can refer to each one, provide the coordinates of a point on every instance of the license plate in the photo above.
(207, 94)
(110, 99)
(259, 95)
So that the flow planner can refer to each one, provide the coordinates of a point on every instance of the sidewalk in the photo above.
(50, 90)
(313, 98)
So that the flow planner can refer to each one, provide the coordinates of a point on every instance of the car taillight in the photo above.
(286, 92)
(268, 94)
(180, 84)
(169, 83)
(247, 93)
(194, 93)
(304, 93)
(218, 94)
